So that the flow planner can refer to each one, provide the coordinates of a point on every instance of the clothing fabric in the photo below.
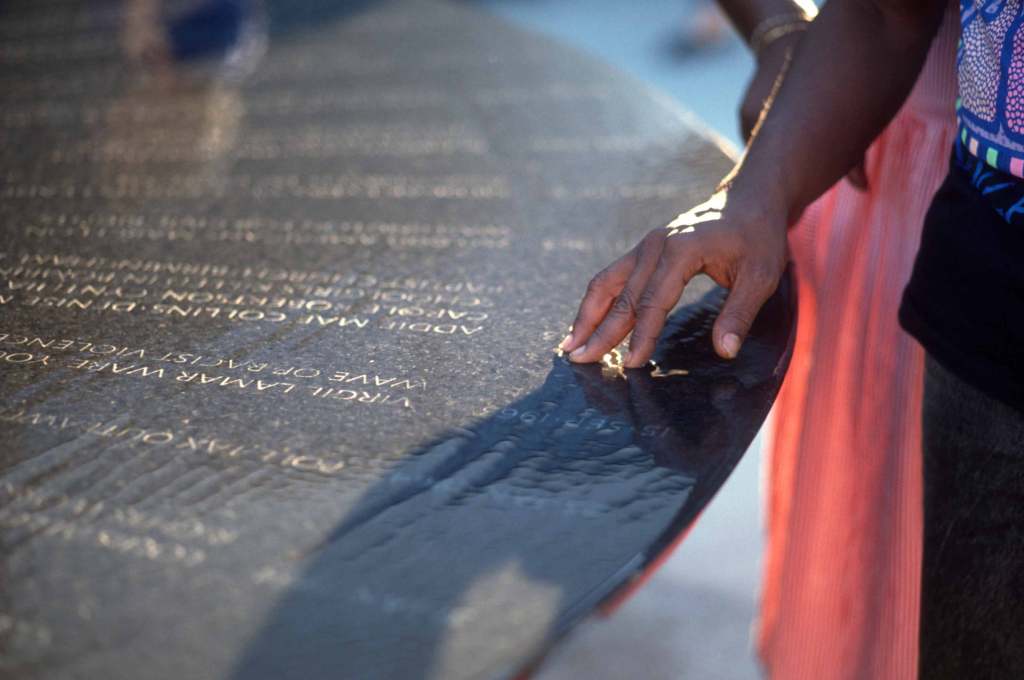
(972, 621)
(1002, 191)
(841, 580)
(990, 68)
(965, 298)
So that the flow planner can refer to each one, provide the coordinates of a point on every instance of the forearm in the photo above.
(852, 70)
(747, 15)
(851, 73)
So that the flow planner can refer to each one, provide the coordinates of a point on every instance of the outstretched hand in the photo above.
(741, 248)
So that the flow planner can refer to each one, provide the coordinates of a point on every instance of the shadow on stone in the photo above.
(492, 518)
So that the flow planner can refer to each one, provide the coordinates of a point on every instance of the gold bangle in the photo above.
(771, 29)
(771, 36)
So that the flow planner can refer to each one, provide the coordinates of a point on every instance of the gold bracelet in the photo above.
(776, 33)
(775, 27)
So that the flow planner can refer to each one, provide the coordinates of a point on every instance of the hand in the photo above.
(739, 243)
(771, 65)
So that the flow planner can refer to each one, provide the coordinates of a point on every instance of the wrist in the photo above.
(778, 27)
(779, 50)
(754, 199)
(774, 29)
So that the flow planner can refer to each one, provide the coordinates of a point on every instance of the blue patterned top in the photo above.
(990, 68)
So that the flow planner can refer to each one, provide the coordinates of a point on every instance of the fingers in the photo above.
(675, 268)
(621, 314)
(754, 284)
(601, 293)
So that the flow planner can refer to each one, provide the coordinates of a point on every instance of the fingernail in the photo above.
(578, 352)
(731, 344)
(565, 343)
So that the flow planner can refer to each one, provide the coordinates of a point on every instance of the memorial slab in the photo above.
(280, 288)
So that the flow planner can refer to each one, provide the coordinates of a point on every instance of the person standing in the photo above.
(840, 590)
(850, 75)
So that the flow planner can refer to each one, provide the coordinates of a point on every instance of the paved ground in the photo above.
(693, 619)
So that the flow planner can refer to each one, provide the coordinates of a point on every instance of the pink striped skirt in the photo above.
(841, 591)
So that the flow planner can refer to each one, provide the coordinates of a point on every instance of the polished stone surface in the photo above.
(279, 304)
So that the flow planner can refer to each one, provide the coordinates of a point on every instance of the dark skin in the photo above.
(745, 16)
(772, 62)
(771, 65)
(849, 75)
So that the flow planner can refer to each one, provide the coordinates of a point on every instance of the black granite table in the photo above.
(280, 287)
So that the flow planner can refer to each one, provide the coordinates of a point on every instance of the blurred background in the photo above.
(693, 618)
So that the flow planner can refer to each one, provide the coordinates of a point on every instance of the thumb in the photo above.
(753, 286)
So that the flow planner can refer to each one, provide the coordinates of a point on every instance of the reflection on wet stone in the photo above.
(278, 305)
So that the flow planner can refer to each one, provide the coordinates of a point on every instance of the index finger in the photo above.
(674, 270)
(601, 293)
